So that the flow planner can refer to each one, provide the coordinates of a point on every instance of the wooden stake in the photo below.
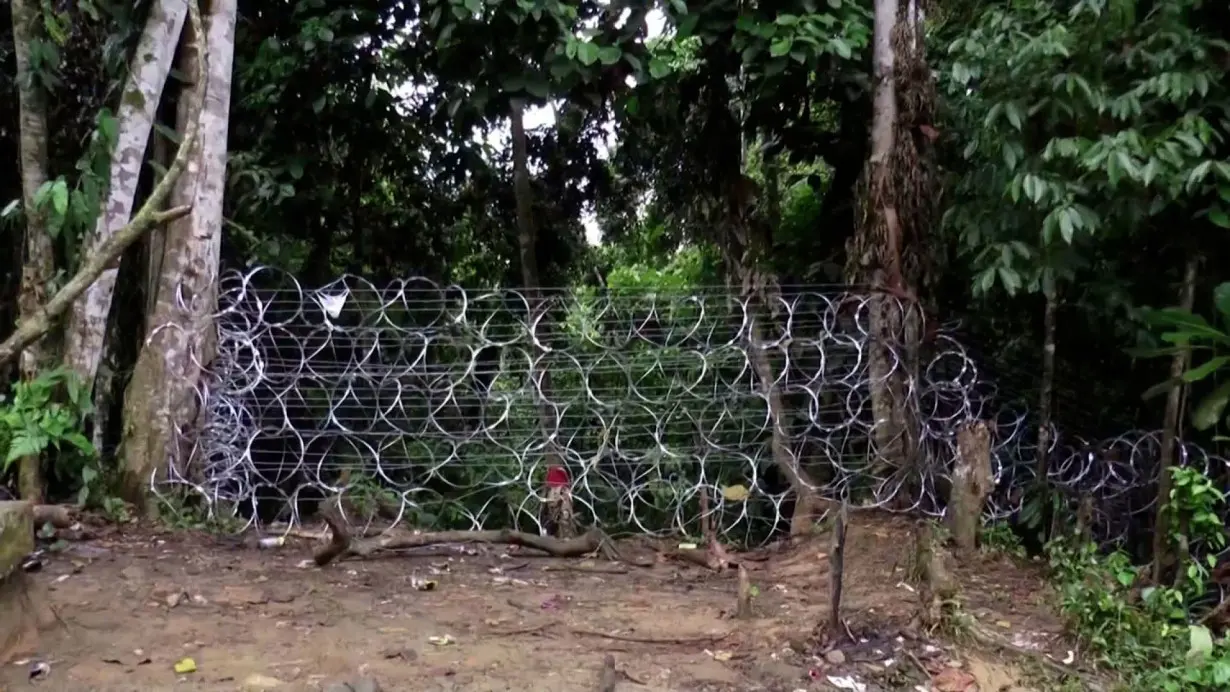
(744, 608)
(836, 567)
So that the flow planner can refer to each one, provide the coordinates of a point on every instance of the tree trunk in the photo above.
(877, 251)
(807, 505)
(1047, 386)
(38, 262)
(155, 242)
(160, 400)
(147, 74)
(31, 330)
(971, 484)
(527, 241)
(1164, 558)
(888, 250)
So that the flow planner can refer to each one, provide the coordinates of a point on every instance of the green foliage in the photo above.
(1000, 538)
(1208, 342)
(1149, 636)
(1081, 127)
(48, 414)
(35, 420)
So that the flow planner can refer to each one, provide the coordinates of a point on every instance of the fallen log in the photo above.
(59, 516)
(342, 545)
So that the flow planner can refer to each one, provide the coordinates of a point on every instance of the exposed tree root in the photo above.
(342, 545)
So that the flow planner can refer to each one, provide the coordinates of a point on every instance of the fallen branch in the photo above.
(703, 639)
(532, 629)
(342, 545)
(590, 569)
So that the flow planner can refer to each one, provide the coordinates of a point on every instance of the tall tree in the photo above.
(160, 402)
(38, 262)
(888, 250)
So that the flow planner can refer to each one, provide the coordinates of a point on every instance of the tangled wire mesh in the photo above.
(442, 406)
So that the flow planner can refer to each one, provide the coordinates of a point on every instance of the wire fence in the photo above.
(444, 405)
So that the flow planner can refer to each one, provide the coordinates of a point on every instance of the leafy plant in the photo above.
(36, 419)
(1181, 329)
(1000, 538)
(1148, 635)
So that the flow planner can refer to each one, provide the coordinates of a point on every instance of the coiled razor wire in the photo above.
(444, 405)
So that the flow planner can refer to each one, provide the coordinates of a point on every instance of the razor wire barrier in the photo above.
(443, 405)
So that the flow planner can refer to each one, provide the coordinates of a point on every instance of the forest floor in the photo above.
(136, 603)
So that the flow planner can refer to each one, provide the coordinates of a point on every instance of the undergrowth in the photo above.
(1153, 636)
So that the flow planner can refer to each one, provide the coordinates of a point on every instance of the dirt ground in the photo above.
(136, 603)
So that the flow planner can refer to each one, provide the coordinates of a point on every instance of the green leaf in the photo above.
(659, 68)
(1219, 217)
(537, 86)
(1209, 411)
(1154, 352)
(840, 47)
(1160, 388)
(587, 53)
(59, 197)
(609, 55)
(82, 443)
(686, 26)
(1012, 280)
(780, 47)
(1015, 117)
(1221, 298)
(1209, 367)
(1200, 642)
(109, 127)
(1192, 325)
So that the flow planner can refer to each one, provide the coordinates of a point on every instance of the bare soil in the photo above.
(135, 603)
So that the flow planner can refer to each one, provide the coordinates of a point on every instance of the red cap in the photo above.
(557, 477)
